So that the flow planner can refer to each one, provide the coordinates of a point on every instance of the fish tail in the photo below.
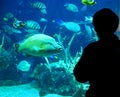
(16, 47)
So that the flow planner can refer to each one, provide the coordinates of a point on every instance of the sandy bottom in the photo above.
(26, 90)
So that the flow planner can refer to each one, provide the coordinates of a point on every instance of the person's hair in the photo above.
(105, 22)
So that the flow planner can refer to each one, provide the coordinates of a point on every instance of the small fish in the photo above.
(10, 30)
(89, 19)
(88, 2)
(43, 20)
(31, 24)
(8, 16)
(41, 6)
(5, 19)
(24, 66)
(38, 45)
(18, 24)
(71, 7)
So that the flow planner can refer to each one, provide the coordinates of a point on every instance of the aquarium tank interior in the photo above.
(41, 41)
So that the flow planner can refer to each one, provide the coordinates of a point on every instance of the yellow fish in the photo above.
(88, 2)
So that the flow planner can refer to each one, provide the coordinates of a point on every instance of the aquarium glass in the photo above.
(41, 41)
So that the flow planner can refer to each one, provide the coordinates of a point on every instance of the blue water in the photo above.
(60, 78)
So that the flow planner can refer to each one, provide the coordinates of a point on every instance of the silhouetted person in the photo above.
(100, 61)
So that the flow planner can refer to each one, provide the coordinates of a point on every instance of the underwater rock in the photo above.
(6, 59)
(57, 80)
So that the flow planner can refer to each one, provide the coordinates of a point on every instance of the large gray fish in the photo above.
(71, 26)
(39, 45)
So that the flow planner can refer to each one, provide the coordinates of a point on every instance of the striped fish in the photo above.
(31, 24)
(41, 6)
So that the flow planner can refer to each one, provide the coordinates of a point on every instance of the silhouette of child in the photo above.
(99, 63)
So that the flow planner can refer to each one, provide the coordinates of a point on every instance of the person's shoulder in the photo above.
(92, 45)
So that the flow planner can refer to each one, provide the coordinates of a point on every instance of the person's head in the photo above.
(105, 22)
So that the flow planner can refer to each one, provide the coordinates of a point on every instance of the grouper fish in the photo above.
(39, 45)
